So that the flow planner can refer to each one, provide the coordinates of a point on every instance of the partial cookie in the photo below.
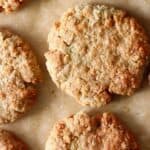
(85, 132)
(8, 141)
(19, 73)
(10, 5)
(96, 51)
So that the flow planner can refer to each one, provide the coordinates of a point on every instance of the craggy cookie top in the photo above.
(10, 5)
(19, 72)
(85, 132)
(8, 141)
(95, 51)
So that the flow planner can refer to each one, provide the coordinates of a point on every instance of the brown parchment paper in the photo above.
(33, 22)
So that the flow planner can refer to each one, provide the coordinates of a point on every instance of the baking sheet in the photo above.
(33, 22)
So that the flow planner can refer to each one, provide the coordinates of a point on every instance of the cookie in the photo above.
(84, 132)
(96, 51)
(8, 141)
(10, 5)
(19, 73)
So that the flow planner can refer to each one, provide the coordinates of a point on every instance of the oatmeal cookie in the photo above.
(10, 5)
(96, 51)
(85, 132)
(8, 141)
(19, 73)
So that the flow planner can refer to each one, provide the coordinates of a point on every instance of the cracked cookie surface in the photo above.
(8, 141)
(19, 73)
(91, 132)
(10, 5)
(96, 51)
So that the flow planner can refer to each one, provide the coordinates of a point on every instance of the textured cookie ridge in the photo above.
(10, 5)
(91, 132)
(9, 141)
(19, 73)
(96, 51)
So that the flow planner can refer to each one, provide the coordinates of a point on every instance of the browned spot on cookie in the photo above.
(8, 141)
(10, 5)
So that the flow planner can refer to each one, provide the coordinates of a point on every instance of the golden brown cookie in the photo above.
(19, 73)
(10, 5)
(96, 51)
(8, 141)
(84, 132)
